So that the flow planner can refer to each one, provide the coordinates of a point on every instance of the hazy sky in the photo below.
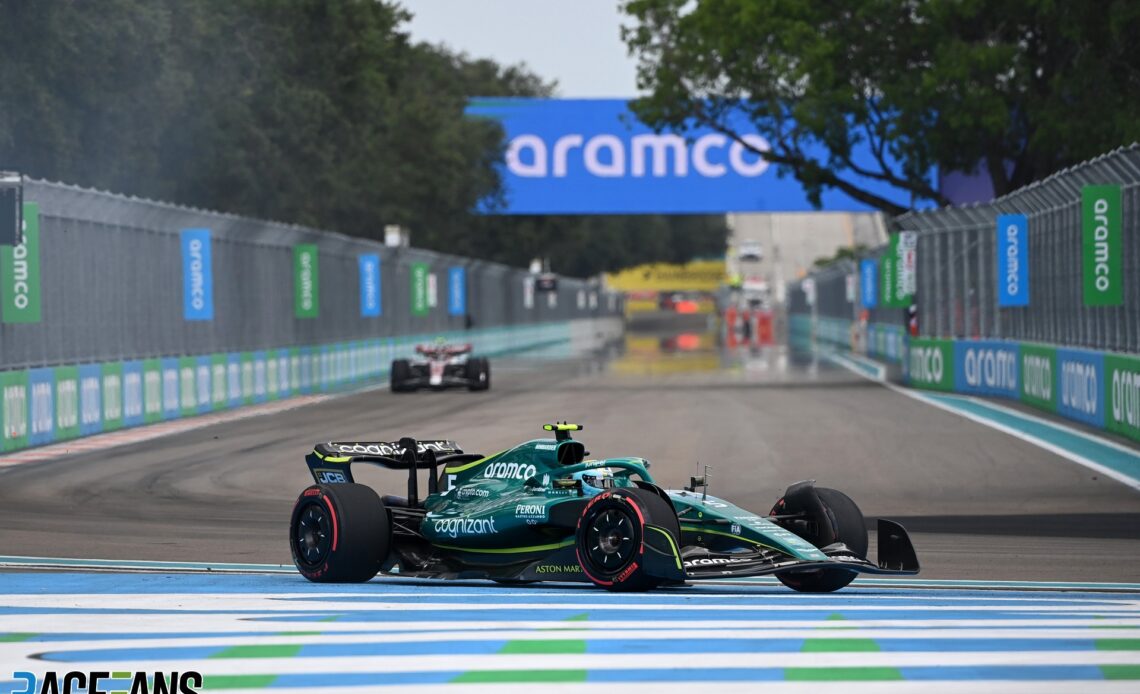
(576, 42)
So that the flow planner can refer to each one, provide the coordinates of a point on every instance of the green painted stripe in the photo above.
(15, 637)
(672, 544)
(1118, 644)
(520, 676)
(511, 550)
(273, 651)
(546, 647)
(210, 682)
(721, 532)
(842, 674)
(1121, 672)
(1118, 459)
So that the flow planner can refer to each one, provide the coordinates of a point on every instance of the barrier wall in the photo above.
(50, 404)
(1098, 388)
(1101, 389)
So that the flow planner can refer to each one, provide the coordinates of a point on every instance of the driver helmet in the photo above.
(596, 479)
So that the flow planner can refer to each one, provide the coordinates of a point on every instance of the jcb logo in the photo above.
(331, 477)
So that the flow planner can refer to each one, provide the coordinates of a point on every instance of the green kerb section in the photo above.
(1118, 644)
(520, 676)
(545, 647)
(15, 637)
(842, 674)
(282, 651)
(1120, 672)
(210, 682)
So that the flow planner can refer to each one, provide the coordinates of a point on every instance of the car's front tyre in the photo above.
(611, 535)
(339, 533)
(842, 521)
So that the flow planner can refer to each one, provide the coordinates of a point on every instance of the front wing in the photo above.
(896, 556)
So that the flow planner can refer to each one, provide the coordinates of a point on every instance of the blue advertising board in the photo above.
(593, 156)
(987, 367)
(197, 275)
(1013, 260)
(133, 411)
(457, 291)
(1080, 385)
(90, 399)
(869, 275)
(370, 305)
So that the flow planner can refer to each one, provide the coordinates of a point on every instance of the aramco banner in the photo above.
(592, 156)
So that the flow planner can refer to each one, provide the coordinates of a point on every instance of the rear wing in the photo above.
(331, 463)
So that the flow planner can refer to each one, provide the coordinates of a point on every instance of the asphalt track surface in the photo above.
(979, 503)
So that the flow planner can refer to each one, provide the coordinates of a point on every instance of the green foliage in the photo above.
(1024, 87)
(316, 112)
(853, 253)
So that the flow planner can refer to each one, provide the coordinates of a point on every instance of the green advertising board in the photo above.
(14, 386)
(887, 280)
(930, 364)
(20, 272)
(152, 391)
(1101, 251)
(218, 381)
(66, 402)
(112, 396)
(187, 390)
(1122, 406)
(419, 275)
(306, 281)
(1039, 376)
(247, 377)
(897, 274)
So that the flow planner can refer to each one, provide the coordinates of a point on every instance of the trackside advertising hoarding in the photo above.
(593, 156)
(44, 405)
(930, 363)
(869, 283)
(986, 367)
(1122, 406)
(20, 272)
(370, 304)
(1101, 251)
(1080, 380)
(1013, 260)
(1038, 376)
(306, 281)
(197, 275)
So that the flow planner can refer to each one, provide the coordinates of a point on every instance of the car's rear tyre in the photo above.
(846, 525)
(400, 373)
(610, 536)
(478, 374)
(339, 533)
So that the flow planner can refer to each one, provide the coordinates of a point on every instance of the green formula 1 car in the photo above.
(541, 511)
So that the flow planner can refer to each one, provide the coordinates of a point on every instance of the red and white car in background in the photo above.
(440, 365)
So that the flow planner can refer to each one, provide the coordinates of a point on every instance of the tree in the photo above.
(1021, 87)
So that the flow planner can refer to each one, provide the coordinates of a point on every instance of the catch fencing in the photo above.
(117, 312)
(1033, 297)
(112, 278)
(973, 281)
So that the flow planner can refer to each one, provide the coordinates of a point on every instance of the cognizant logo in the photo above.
(608, 156)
